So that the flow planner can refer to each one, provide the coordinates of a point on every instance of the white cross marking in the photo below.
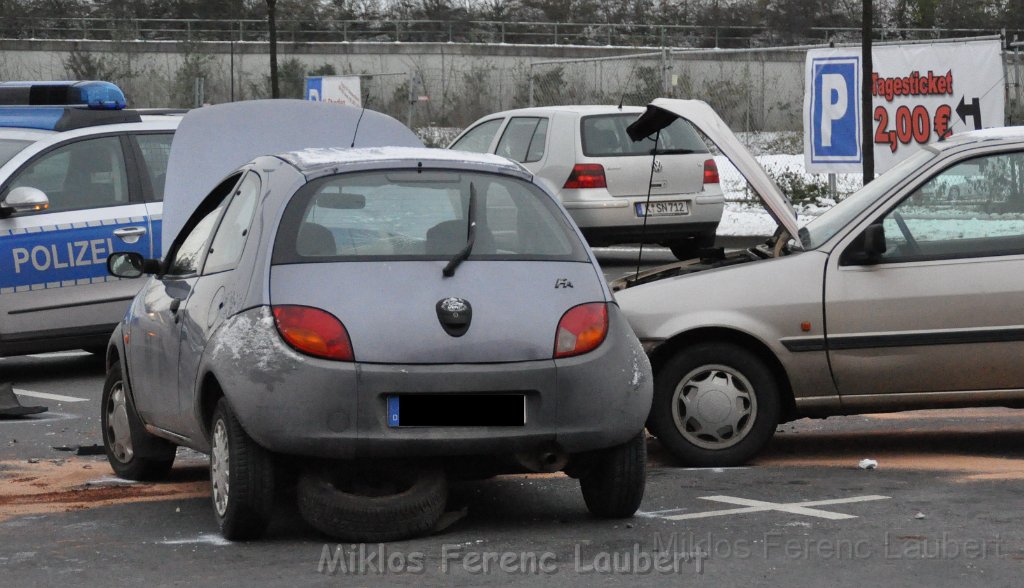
(750, 506)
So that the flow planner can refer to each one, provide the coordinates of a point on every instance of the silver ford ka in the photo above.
(368, 321)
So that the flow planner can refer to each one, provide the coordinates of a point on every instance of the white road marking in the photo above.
(48, 396)
(60, 354)
(206, 538)
(751, 506)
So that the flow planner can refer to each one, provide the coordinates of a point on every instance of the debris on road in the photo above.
(10, 406)
(868, 464)
(919, 515)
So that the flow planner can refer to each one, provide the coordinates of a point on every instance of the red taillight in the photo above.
(710, 172)
(314, 332)
(586, 175)
(581, 329)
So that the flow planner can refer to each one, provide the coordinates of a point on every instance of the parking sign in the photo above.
(835, 113)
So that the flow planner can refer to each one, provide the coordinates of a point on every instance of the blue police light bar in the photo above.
(92, 95)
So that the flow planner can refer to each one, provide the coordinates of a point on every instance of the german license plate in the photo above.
(456, 410)
(666, 208)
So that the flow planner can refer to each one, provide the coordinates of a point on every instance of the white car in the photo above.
(80, 178)
(611, 186)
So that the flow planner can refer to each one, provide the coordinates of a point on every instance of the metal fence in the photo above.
(445, 31)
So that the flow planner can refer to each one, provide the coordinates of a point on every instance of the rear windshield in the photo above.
(10, 147)
(411, 215)
(605, 136)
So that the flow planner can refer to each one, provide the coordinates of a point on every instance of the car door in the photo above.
(53, 262)
(218, 291)
(479, 138)
(523, 140)
(155, 331)
(942, 310)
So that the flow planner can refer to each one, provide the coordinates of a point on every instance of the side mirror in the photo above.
(867, 249)
(129, 264)
(25, 199)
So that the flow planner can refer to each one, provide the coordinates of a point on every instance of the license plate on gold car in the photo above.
(666, 208)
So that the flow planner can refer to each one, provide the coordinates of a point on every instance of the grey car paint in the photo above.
(299, 404)
(922, 334)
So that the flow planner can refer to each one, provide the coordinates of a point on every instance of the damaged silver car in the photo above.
(369, 321)
(900, 297)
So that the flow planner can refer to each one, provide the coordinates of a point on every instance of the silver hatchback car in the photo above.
(609, 183)
(379, 316)
(901, 297)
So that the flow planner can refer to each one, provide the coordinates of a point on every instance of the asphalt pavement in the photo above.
(942, 508)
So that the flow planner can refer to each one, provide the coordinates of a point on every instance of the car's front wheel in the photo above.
(715, 404)
(241, 478)
(133, 453)
(614, 484)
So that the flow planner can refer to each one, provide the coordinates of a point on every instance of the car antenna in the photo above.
(647, 205)
(356, 132)
(622, 97)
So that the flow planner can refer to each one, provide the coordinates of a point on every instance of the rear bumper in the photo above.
(298, 405)
(614, 220)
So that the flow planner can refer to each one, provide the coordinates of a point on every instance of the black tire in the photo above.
(331, 501)
(133, 453)
(243, 493)
(613, 486)
(692, 445)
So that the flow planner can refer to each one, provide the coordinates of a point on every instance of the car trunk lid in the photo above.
(392, 312)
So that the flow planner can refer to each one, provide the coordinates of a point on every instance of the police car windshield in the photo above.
(10, 147)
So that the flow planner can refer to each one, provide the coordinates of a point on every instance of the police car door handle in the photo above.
(130, 234)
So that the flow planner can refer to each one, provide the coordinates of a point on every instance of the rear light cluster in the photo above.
(710, 172)
(314, 332)
(586, 175)
(582, 329)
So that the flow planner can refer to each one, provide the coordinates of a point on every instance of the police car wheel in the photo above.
(133, 454)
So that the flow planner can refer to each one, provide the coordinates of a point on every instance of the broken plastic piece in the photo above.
(868, 464)
(11, 407)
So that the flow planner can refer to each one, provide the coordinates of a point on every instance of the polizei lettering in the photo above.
(62, 255)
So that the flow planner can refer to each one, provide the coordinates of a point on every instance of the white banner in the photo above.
(334, 89)
(921, 93)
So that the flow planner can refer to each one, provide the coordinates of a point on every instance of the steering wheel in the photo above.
(902, 224)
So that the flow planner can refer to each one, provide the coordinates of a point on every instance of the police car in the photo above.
(81, 176)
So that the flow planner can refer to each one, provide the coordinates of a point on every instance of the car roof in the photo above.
(1007, 134)
(582, 109)
(310, 161)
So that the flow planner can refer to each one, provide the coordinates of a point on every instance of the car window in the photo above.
(523, 139)
(11, 147)
(605, 136)
(478, 139)
(227, 245)
(79, 175)
(974, 208)
(422, 215)
(155, 151)
(187, 256)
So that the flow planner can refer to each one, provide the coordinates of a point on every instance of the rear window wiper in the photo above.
(449, 270)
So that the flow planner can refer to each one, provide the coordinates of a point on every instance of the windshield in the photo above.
(412, 215)
(823, 228)
(10, 147)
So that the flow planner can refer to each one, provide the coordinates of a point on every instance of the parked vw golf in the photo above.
(375, 317)
(900, 297)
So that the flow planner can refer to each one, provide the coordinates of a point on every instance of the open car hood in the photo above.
(663, 111)
(213, 141)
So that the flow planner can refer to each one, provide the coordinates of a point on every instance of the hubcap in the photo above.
(220, 462)
(119, 433)
(714, 407)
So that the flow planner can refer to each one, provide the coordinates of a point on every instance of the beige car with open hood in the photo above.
(897, 298)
